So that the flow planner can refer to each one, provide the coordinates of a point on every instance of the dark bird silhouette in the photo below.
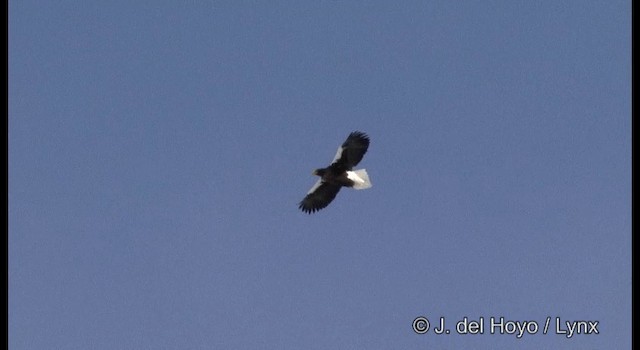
(339, 174)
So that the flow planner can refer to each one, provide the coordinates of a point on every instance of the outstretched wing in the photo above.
(320, 195)
(351, 151)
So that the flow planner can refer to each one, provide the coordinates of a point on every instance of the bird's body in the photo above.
(339, 174)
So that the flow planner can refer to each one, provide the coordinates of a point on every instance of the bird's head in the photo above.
(318, 172)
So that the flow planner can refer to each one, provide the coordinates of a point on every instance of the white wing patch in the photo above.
(360, 179)
(315, 187)
(338, 155)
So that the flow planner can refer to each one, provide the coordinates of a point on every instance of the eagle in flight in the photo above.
(339, 174)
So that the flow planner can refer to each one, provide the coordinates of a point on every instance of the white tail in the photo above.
(360, 179)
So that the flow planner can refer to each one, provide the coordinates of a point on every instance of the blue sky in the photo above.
(158, 150)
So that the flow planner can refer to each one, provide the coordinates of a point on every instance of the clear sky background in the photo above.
(158, 151)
